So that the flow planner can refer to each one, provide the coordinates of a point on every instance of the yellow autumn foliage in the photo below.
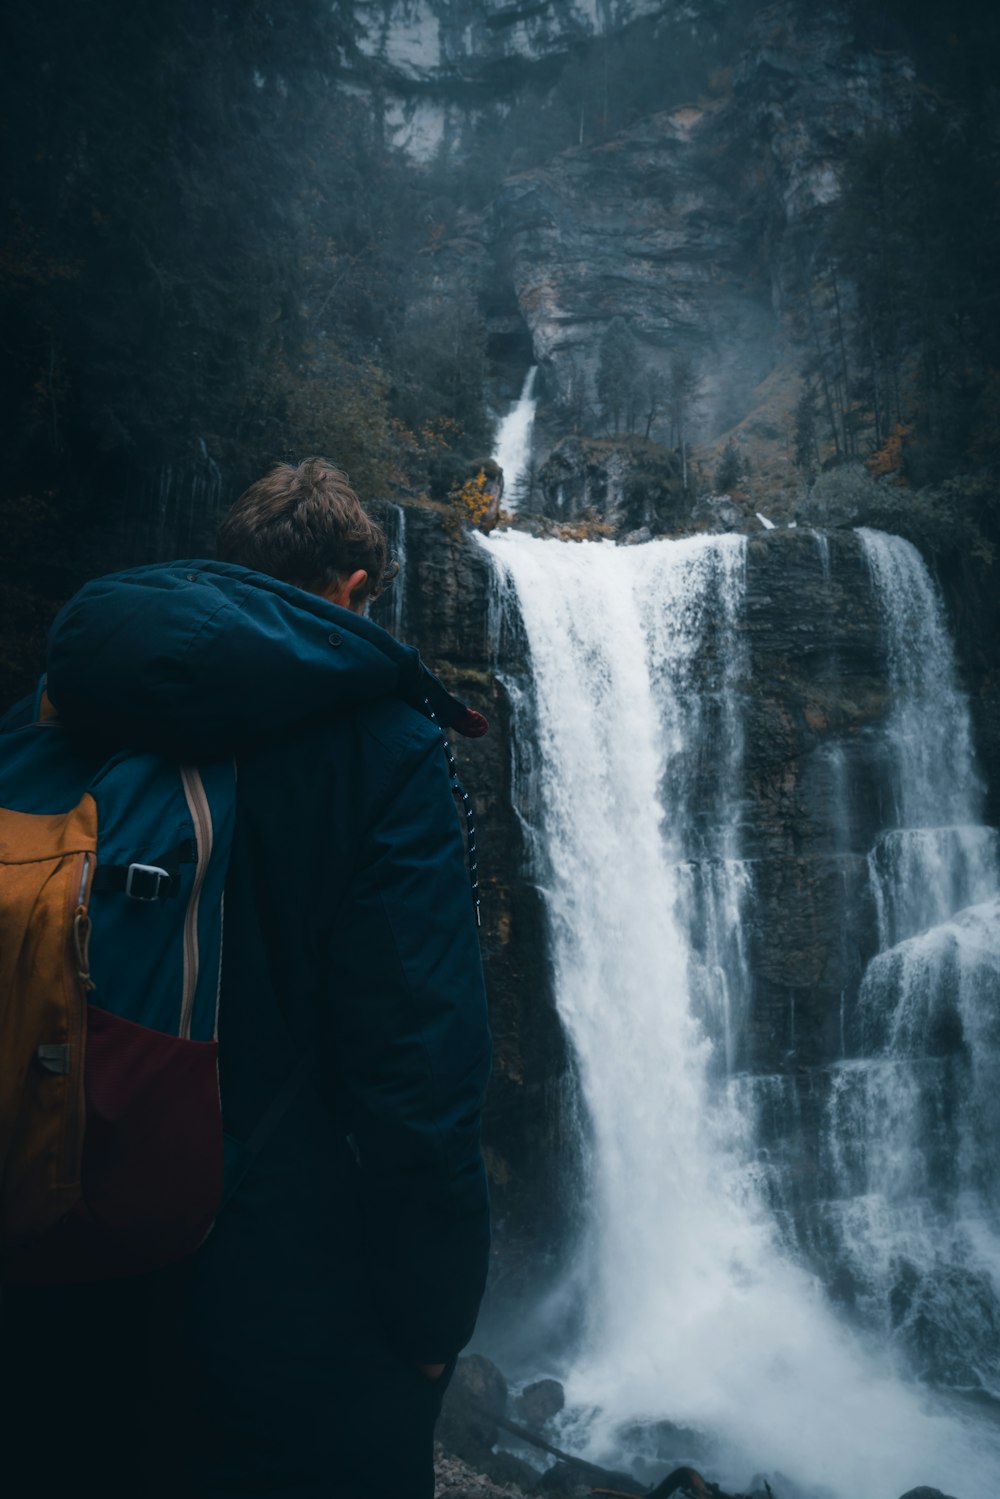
(889, 458)
(472, 499)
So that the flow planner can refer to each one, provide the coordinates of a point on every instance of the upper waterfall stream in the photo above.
(512, 449)
(697, 1307)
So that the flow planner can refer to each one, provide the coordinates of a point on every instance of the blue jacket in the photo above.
(349, 924)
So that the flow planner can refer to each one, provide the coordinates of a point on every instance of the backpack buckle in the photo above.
(146, 881)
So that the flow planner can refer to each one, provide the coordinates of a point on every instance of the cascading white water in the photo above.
(934, 857)
(397, 596)
(911, 1127)
(512, 450)
(695, 1311)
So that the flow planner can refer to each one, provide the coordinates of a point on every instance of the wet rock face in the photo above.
(629, 486)
(636, 228)
(801, 90)
(816, 696)
(817, 699)
(663, 225)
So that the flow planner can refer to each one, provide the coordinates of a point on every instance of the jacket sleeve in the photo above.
(413, 1054)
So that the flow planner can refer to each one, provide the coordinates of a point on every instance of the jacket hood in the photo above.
(201, 658)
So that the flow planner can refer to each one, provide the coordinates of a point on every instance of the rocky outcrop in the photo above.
(440, 65)
(638, 228)
(801, 91)
(628, 486)
(816, 691)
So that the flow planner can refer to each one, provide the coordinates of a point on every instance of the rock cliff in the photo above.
(435, 43)
(686, 224)
(440, 63)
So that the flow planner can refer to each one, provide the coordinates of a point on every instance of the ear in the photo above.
(343, 588)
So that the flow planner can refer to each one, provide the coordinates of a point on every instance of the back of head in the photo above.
(305, 525)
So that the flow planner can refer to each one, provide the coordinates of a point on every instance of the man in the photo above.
(304, 1349)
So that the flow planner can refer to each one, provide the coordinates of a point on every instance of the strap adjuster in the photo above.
(146, 881)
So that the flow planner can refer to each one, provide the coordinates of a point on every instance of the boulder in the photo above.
(539, 1402)
(721, 511)
(477, 1393)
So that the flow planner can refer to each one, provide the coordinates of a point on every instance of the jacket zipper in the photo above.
(80, 958)
(81, 896)
(222, 941)
(201, 817)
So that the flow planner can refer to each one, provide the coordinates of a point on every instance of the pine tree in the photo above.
(806, 418)
(618, 376)
(654, 393)
(683, 390)
(730, 469)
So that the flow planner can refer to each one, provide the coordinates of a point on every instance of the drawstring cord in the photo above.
(81, 941)
(470, 816)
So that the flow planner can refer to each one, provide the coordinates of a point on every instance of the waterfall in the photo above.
(701, 1333)
(912, 1123)
(397, 592)
(934, 857)
(184, 505)
(512, 450)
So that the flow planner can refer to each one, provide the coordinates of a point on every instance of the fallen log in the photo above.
(686, 1481)
(590, 1470)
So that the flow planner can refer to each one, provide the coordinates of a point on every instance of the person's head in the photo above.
(306, 526)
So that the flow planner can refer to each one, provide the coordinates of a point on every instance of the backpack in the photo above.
(112, 874)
